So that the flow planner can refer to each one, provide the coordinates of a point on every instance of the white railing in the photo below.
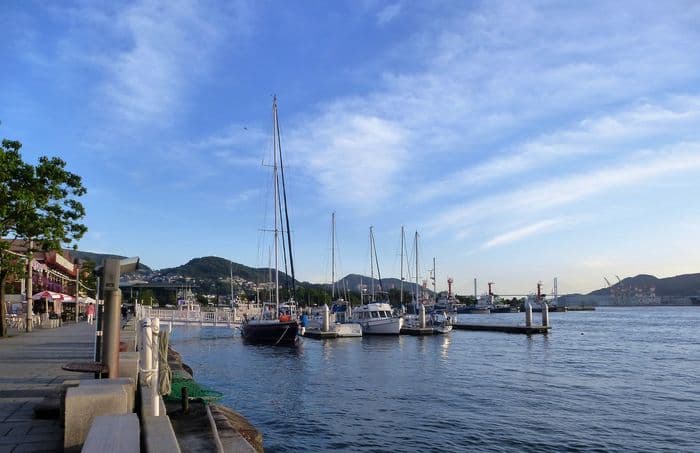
(208, 318)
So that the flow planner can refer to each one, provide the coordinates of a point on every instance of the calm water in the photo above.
(614, 379)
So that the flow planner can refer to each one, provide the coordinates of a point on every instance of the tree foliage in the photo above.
(38, 203)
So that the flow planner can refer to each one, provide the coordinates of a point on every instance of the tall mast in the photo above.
(277, 194)
(371, 260)
(417, 285)
(333, 256)
(231, 277)
(434, 279)
(402, 246)
(286, 212)
(269, 272)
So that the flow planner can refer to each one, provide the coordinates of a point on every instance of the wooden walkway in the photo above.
(504, 328)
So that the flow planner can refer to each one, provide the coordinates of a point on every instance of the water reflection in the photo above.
(445, 346)
(429, 393)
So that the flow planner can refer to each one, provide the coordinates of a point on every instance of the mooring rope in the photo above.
(164, 373)
(281, 336)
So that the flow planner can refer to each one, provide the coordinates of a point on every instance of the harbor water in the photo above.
(616, 379)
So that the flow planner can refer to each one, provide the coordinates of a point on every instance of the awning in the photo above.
(48, 295)
(68, 298)
(86, 300)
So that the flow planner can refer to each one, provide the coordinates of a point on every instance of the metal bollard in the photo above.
(326, 318)
(184, 399)
(545, 315)
(528, 314)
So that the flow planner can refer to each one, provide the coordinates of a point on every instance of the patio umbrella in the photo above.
(48, 296)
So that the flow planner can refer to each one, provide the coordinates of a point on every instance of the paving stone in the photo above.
(30, 371)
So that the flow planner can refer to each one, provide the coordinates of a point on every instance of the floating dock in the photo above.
(417, 331)
(506, 329)
(319, 334)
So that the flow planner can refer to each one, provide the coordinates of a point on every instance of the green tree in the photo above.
(38, 203)
(88, 279)
(147, 297)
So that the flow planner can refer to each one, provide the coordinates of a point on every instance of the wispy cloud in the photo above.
(498, 80)
(355, 158)
(241, 197)
(608, 135)
(149, 53)
(642, 167)
(165, 43)
(523, 232)
(388, 13)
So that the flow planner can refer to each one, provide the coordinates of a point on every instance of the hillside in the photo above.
(680, 285)
(353, 281)
(214, 267)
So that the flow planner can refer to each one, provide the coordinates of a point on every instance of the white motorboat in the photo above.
(376, 318)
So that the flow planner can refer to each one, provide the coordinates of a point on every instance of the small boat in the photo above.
(275, 327)
(474, 310)
(338, 321)
(440, 322)
(275, 332)
(377, 318)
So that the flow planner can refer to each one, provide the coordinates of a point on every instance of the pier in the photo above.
(101, 414)
(528, 330)
(417, 331)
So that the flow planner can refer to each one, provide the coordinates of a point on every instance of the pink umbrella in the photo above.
(48, 296)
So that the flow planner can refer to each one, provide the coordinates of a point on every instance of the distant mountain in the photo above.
(214, 268)
(353, 282)
(680, 285)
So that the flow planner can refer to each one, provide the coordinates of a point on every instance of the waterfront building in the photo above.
(56, 272)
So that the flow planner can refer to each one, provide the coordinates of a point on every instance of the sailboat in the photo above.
(376, 318)
(274, 327)
(340, 310)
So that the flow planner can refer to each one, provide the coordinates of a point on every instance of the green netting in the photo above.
(194, 390)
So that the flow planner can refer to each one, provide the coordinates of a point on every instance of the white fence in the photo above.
(217, 317)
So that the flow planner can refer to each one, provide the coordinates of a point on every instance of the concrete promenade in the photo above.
(30, 369)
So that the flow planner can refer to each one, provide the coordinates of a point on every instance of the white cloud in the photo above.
(501, 73)
(642, 167)
(241, 197)
(607, 135)
(152, 51)
(523, 232)
(388, 13)
(355, 158)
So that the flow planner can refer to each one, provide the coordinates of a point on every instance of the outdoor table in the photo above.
(100, 369)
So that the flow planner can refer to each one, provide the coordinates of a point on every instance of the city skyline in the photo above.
(522, 141)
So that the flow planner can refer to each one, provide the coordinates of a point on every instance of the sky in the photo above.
(523, 141)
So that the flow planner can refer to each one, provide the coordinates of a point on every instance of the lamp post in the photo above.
(29, 324)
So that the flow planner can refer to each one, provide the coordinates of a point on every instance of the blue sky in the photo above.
(523, 140)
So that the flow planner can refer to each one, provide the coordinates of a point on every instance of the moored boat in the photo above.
(377, 318)
(280, 327)
(270, 331)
